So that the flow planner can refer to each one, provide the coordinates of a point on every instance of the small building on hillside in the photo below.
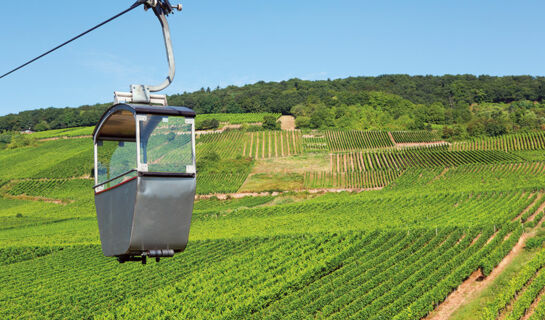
(27, 131)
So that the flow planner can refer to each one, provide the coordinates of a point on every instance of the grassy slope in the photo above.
(244, 256)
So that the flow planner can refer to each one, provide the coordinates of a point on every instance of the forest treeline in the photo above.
(459, 104)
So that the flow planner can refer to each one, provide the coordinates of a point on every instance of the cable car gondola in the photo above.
(145, 172)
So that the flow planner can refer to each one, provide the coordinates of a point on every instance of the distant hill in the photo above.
(393, 102)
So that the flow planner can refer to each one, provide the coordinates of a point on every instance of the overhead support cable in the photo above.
(135, 5)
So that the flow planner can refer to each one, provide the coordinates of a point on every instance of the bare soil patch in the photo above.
(300, 164)
(529, 206)
(36, 198)
(421, 144)
(65, 138)
(439, 175)
(223, 196)
(392, 138)
(533, 306)
(287, 122)
(474, 285)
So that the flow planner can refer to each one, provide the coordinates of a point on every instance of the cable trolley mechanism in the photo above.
(145, 171)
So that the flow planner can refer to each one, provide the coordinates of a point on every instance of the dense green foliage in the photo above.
(53, 118)
(281, 96)
(515, 142)
(483, 105)
(392, 253)
(414, 136)
(354, 140)
(213, 120)
(350, 180)
(515, 285)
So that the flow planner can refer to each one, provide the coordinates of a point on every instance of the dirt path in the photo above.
(64, 137)
(421, 144)
(401, 145)
(439, 175)
(287, 123)
(533, 306)
(471, 287)
(476, 282)
(392, 138)
(533, 216)
(223, 196)
(529, 206)
(36, 198)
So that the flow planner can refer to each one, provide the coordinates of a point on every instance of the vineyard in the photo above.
(269, 144)
(414, 136)
(525, 141)
(225, 144)
(350, 180)
(315, 142)
(358, 228)
(220, 183)
(235, 118)
(366, 161)
(354, 140)
(68, 132)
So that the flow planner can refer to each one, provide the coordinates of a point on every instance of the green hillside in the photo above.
(413, 223)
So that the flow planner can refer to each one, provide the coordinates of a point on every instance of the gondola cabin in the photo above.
(144, 180)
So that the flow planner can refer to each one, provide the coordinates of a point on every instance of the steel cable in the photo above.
(135, 5)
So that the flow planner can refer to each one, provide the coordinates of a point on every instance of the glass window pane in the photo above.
(166, 144)
(115, 158)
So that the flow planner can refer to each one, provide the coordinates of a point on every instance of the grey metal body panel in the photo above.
(115, 213)
(145, 214)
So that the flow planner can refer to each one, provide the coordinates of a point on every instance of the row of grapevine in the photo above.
(414, 136)
(257, 270)
(315, 142)
(226, 144)
(272, 144)
(525, 277)
(367, 211)
(49, 159)
(371, 284)
(236, 118)
(372, 179)
(417, 176)
(499, 176)
(365, 161)
(338, 276)
(67, 132)
(222, 205)
(220, 182)
(356, 140)
(514, 142)
(35, 187)
(53, 188)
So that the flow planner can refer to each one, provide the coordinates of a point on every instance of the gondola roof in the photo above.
(118, 122)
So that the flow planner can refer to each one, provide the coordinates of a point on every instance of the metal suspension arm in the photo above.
(161, 10)
(142, 93)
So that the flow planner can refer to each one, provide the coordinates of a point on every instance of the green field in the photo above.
(235, 118)
(435, 216)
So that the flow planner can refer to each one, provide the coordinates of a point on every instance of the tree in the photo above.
(21, 140)
(208, 124)
(42, 126)
(269, 123)
(476, 127)
(494, 127)
(302, 122)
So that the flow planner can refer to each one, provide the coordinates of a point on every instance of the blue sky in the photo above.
(219, 43)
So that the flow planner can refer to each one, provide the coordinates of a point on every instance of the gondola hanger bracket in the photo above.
(128, 97)
(142, 93)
